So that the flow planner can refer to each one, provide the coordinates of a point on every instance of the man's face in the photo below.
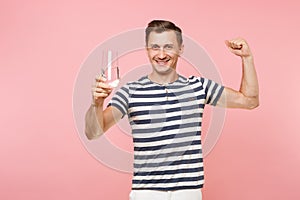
(163, 51)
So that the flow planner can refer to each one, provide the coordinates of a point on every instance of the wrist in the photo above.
(248, 58)
(97, 104)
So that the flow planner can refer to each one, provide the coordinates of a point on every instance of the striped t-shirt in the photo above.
(166, 128)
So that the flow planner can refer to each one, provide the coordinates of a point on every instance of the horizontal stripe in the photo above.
(156, 127)
(150, 110)
(169, 142)
(170, 188)
(169, 176)
(166, 155)
(163, 91)
(164, 172)
(169, 167)
(166, 137)
(183, 114)
(166, 128)
(176, 162)
(169, 185)
(169, 159)
(166, 151)
(161, 102)
(173, 145)
(175, 180)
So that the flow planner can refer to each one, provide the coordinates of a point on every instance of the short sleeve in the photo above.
(212, 90)
(120, 100)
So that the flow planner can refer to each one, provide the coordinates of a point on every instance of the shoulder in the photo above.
(198, 80)
(134, 85)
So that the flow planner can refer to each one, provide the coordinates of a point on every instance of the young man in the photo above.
(165, 113)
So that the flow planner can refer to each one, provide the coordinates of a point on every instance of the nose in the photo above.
(161, 54)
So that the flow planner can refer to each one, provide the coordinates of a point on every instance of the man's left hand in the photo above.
(239, 47)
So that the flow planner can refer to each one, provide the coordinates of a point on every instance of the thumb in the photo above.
(227, 43)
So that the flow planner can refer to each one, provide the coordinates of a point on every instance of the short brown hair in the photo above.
(160, 26)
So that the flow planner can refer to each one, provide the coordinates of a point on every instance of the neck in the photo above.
(163, 79)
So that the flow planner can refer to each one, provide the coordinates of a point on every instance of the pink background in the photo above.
(43, 45)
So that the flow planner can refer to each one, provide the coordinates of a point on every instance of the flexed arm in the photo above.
(248, 95)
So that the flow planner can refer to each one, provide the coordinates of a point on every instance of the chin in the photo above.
(163, 69)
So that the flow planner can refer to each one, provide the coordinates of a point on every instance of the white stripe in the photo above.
(170, 114)
(169, 141)
(168, 132)
(168, 176)
(169, 159)
(164, 107)
(163, 151)
(166, 168)
(165, 124)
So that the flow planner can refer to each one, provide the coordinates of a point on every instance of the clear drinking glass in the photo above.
(110, 67)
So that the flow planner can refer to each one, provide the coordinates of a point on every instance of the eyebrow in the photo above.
(171, 44)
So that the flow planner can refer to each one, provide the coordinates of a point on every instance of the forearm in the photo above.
(249, 84)
(94, 124)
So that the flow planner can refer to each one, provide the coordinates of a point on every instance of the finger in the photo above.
(100, 78)
(234, 44)
(227, 42)
(235, 51)
(101, 90)
(103, 85)
(97, 95)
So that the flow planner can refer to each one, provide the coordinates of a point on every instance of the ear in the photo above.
(181, 49)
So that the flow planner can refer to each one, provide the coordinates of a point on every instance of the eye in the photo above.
(169, 47)
(155, 47)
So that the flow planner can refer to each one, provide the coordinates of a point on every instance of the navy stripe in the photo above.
(170, 92)
(167, 155)
(118, 107)
(165, 172)
(168, 119)
(166, 137)
(172, 180)
(212, 93)
(149, 88)
(207, 86)
(151, 95)
(159, 102)
(197, 89)
(169, 110)
(120, 101)
(137, 113)
(167, 146)
(119, 94)
(171, 188)
(157, 120)
(218, 96)
(166, 128)
(155, 103)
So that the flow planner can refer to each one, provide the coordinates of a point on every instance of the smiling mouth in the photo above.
(162, 62)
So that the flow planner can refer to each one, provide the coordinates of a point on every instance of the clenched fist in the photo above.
(239, 47)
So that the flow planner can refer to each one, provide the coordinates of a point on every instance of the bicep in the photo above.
(231, 98)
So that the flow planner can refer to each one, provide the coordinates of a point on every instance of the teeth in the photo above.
(162, 62)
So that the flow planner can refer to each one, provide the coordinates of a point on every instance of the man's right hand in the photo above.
(100, 91)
